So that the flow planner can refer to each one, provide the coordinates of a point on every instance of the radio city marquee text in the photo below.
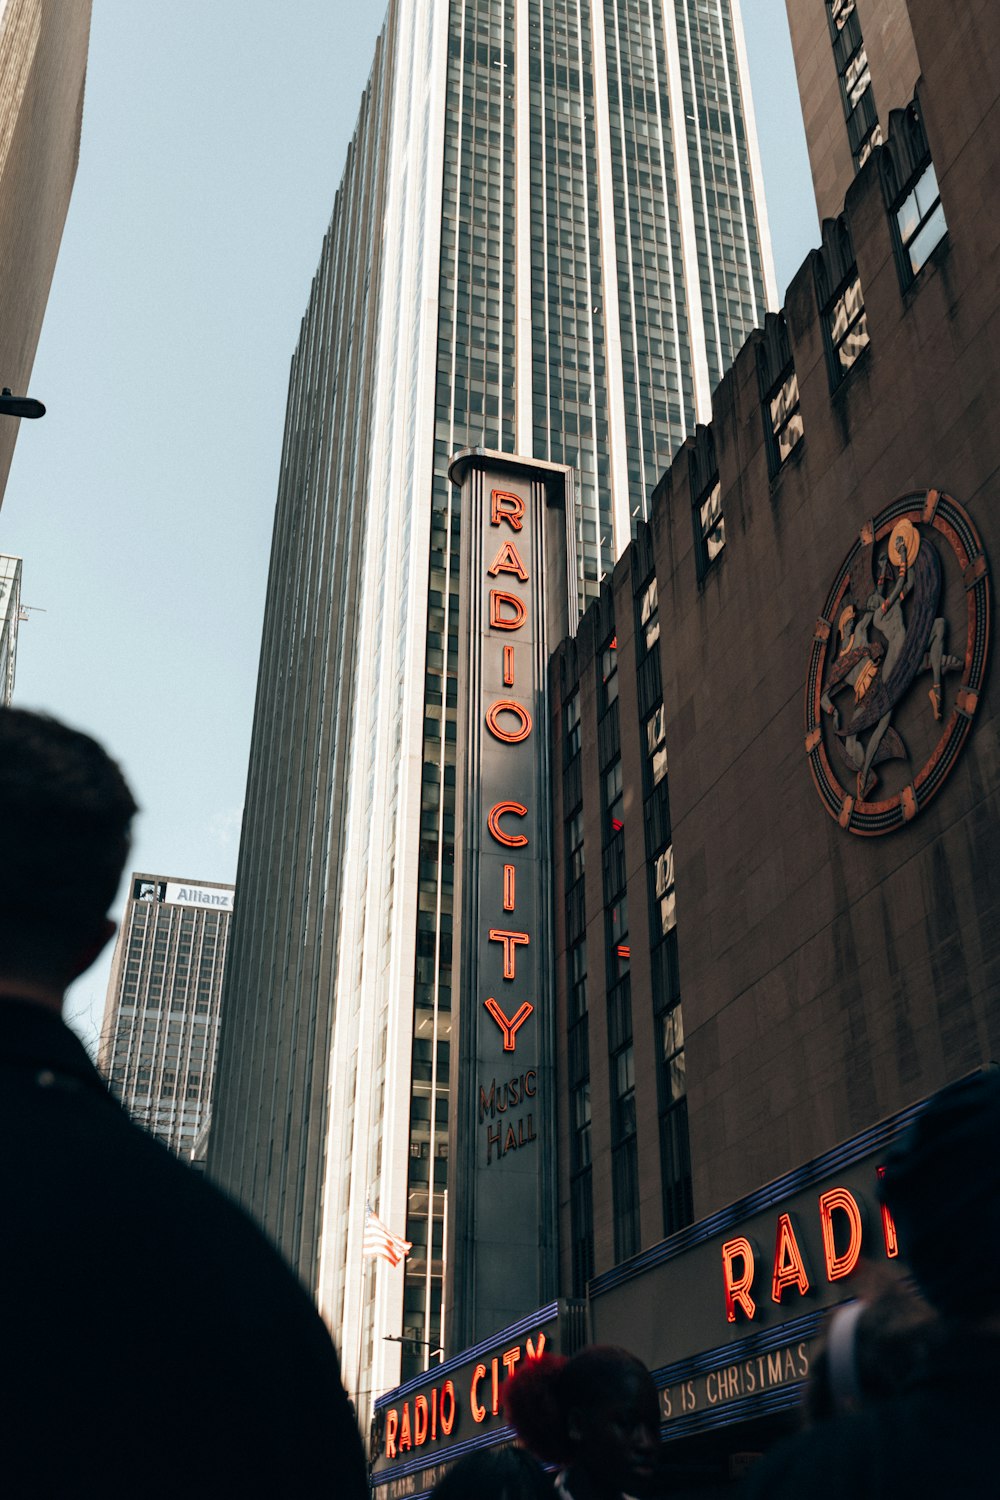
(509, 722)
(435, 1414)
(842, 1232)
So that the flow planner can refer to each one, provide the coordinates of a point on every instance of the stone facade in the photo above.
(828, 980)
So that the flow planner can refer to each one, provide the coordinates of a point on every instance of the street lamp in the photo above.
(19, 406)
(395, 1338)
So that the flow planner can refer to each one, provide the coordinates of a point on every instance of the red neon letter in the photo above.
(510, 1359)
(511, 622)
(448, 1398)
(510, 940)
(420, 1420)
(391, 1428)
(509, 840)
(405, 1441)
(508, 887)
(506, 507)
(888, 1227)
(507, 736)
(475, 1405)
(495, 1403)
(511, 1027)
(508, 560)
(789, 1269)
(533, 1351)
(508, 666)
(738, 1287)
(840, 1265)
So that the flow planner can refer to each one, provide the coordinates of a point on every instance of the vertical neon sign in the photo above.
(501, 1169)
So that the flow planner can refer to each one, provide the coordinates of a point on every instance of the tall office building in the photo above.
(10, 619)
(43, 65)
(161, 1020)
(549, 240)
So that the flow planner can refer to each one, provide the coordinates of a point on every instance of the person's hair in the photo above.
(540, 1397)
(942, 1186)
(874, 1348)
(65, 812)
(494, 1474)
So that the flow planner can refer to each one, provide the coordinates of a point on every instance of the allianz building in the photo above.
(753, 922)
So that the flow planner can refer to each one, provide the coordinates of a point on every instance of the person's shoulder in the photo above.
(833, 1458)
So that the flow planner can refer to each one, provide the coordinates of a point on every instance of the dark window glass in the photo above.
(574, 846)
(571, 712)
(609, 673)
(625, 1195)
(613, 799)
(582, 1231)
(578, 980)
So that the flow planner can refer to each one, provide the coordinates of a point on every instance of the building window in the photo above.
(625, 1199)
(846, 327)
(582, 1231)
(664, 896)
(710, 526)
(656, 747)
(619, 951)
(580, 1104)
(782, 418)
(574, 846)
(571, 713)
(578, 980)
(609, 673)
(920, 222)
(649, 618)
(613, 800)
(854, 74)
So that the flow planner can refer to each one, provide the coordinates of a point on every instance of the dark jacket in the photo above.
(152, 1342)
(936, 1439)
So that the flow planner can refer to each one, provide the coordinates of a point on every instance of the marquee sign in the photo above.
(513, 600)
(729, 1312)
(427, 1424)
(897, 663)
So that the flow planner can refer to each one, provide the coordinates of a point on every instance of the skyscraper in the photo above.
(549, 240)
(161, 1018)
(43, 66)
(10, 619)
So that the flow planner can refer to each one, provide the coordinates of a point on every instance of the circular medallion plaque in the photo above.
(897, 663)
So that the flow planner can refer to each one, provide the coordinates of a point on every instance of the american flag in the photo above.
(380, 1240)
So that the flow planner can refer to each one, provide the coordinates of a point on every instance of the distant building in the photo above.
(161, 1019)
(43, 65)
(10, 615)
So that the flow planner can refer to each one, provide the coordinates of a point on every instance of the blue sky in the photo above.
(214, 136)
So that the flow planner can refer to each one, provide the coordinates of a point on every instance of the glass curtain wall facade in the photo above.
(161, 1020)
(565, 262)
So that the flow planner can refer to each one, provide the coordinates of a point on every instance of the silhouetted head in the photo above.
(65, 814)
(942, 1187)
(597, 1413)
(495, 1474)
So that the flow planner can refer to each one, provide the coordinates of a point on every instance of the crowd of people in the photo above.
(155, 1343)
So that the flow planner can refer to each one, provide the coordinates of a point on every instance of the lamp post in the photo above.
(19, 406)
